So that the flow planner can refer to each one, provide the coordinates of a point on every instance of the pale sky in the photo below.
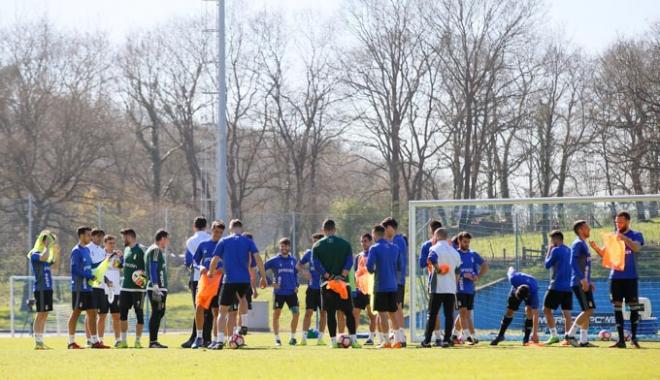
(591, 24)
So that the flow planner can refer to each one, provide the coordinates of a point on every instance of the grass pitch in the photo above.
(261, 360)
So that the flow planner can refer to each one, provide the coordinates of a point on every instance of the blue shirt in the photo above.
(400, 242)
(204, 255)
(315, 282)
(518, 278)
(286, 274)
(43, 278)
(559, 263)
(235, 251)
(81, 269)
(424, 253)
(580, 262)
(470, 263)
(383, 260)
(629, 271)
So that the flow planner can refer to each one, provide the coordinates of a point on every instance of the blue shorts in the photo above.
(532, 301)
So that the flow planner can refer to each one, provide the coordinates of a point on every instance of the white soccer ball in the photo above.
(604, 335)
(344, 341)
(236, 341)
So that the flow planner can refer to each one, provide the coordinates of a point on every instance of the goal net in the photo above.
(22, 308)
(514, 233)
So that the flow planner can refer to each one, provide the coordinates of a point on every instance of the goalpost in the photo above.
(514, 232)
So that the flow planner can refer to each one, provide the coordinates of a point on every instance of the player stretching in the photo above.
(312, 295)
(445, 262)
(383, 262)
(558, 260)
(523, 288)
(361, 296)
(235, 251)
(133, 284)
(157, 293)
(581, 285)
(333, 258)
(199, 235)
(391, 226)
(42, 256)
(472, 268)
(208, 294)
(285, 283)
(624, 283)
(112, 285)
(81, 298)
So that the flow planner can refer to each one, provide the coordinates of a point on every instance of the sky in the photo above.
(590, 24)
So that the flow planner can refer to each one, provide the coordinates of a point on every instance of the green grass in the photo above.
(263, 361)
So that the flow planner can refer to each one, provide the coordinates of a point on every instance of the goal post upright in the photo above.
(414, 245)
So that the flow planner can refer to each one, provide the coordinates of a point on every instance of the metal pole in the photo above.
(293, 234)
(221, 149)
(412, 268)
(30, 231)
(517, 234)
(11, 304)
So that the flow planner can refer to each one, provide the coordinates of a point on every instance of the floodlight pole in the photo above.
(221, 149)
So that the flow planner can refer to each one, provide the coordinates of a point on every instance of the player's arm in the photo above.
(371, 261)
(263, 283)
(550, 258)
(348, 262)
(600, 251)
(634, 246)
(423, 256)
(319, 267)
(218, 252)
(576, 269)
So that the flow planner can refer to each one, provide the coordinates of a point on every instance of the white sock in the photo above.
(303, 337)
(382, 337)
(584, 337)
(123, 336)
(371, 335)
(353, 338)
(243, 319)
(292, 336)
(39, 338)
(455, 332)
(200, 334)
(333, 339)
(94, 339)
(137, 338)
(277, 336)
(72, 339)
(553, 332)
(100, 338)
(221, 337)
(572, 330)
(402, 335)
(320, 336)
(438, 334)
(466, 333)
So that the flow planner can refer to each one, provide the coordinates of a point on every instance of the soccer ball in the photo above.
(139, 278)
(627, 335)
(344, 341)
(236, 341)
(312, 334)
(604, 335)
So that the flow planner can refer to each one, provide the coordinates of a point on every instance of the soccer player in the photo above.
(112, 285)
(312, 295)
(472, 268)
(445, 263)
(157, 275)
(559, 293)
(523, 288)
(81, 298)
(423, 262)
(199, 235)
(581, 285)
(361, 296)
(383, 262)
(285, 283)
(333, 259)
(43, 285)
(391, 227)
(240, 327)
(97, 254)
(624, 283)
(132, 292)
(202, 259)
(235, 251)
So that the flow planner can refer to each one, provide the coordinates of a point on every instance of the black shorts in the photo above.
(624, 289)
(331, 301)
(130, 300)
(555, 298)
(385, 301)
(290, 300)
(43, 300)
(215, 301)
(82, 300)
(102, 303)
(232, 293)
(360, 300)
(400, 293)
(312, 299)
(585, 299)
(465, 300)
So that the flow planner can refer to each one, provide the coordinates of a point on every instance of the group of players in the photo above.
(223, 282)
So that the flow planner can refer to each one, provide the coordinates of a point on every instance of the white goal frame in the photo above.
(413, 246)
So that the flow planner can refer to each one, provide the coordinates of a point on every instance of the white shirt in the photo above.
(446, 254)
(114, 275)
(192, 244)
(97, 253)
